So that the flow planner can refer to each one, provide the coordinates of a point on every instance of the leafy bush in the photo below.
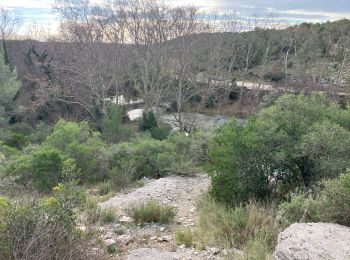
(160, 133)
(293, 144)
(40, 229)
(142, 158)
(148, 121)
(41, 131)
(113, 130)
(42, 166)
(15, 140)
(152, 212)
(77, 141)
(331, 204)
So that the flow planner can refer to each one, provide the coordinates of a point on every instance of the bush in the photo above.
(148, 121)
(160, 133)
(42, 166)
(41, 132)
(40, 229)
(184, 237)
(113, 130)
(293, 144)
(331, 204)
(77, 141)
(152, 212)
(142, 158)
(15, 140)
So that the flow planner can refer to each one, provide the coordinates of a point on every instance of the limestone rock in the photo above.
(150, 254)
(125, 219)
(313, 241)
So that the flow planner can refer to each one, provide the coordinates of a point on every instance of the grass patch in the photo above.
(111, 249)
(252, 227)
(184, 237)
(152, 212)
(95, 214)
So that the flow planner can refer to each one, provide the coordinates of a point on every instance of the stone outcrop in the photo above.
(313, 241)
(150, 254)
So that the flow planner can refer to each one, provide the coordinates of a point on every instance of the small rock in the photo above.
(162, 229)
(125, 219)
(160, 239)
(183, 246)
(167, 238)
(110, 242)
(153, 238)
(212, 250)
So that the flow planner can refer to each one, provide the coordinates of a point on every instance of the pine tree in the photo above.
(9, 86)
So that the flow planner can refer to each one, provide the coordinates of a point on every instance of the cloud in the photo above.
(27, 3)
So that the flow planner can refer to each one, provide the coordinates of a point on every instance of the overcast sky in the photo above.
(39, 11)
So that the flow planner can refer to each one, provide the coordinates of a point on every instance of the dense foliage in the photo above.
(293, 144)
(43, 228)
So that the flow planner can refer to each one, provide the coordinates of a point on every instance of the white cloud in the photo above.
(27, 3)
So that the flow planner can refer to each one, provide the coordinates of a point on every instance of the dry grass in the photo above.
(250, 228)
(152, 212)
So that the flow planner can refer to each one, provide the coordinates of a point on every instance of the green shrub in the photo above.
(15, 140)
(331, 204)
(148, 121)
(42, 166)
(152, 212)
(111, 249)
(184, 237)
(293, 144)
(119, 179)
(113, 130)
(104, 188)
(40, 229)
(21, 128)
(41, 131)
(160, 133)
(77, 141)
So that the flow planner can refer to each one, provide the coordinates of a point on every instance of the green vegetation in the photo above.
(293, 144)
(28, 226)
(330, 204)
(9, 86)
(184, 237)
(149, 123)
(227, 227)
(152, 212)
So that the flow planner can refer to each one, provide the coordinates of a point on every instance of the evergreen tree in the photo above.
(9, 86)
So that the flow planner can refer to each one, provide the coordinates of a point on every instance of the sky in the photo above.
(39, 11)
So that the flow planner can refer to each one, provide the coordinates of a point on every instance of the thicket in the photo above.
(43, 228)
(295, 143)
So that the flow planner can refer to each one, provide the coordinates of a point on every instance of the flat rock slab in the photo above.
(150, 254)
(313, 241)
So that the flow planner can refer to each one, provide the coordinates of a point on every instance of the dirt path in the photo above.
(155, 242)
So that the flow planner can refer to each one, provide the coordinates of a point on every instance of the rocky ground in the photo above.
(156, 242)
